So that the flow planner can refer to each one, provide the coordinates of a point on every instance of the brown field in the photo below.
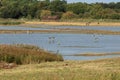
(74, 23)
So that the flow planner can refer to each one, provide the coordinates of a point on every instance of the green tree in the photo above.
(35, 9)
(58, 6)
(10, 9)
(77, 8)
(45, 13)
(115, 16)
(96, 11)
(69, 15)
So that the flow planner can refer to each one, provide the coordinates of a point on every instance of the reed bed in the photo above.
(26, 54)
(10, 22)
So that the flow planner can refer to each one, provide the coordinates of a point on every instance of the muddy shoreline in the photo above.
(73, 31)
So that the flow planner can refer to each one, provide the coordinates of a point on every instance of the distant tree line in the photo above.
(37, 9)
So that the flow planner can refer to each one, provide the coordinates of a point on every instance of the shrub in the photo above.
(45, 13)
(69, 15)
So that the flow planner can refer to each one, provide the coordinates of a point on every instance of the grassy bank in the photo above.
(26, 54)
(105, 69)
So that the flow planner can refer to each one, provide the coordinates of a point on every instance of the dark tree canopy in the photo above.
(32, 9)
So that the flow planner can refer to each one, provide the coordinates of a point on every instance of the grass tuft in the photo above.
(10, 22)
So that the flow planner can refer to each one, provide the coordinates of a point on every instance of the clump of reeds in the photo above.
(10, 22)
(26, 54)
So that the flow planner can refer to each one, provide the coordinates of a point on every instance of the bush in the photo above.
(10, 23)
(69, 15)
(45, 13)
(115, 16)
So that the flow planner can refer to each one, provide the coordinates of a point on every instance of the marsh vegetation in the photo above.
(26, 54)
(10, 22)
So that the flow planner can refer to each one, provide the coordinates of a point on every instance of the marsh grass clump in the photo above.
(26, 54)
(10, 22)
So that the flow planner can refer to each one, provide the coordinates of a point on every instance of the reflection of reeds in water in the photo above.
(51, 40)
(96, 38)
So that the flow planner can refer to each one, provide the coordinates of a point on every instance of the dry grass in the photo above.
(105, 69)
(26, 54)
(74, 23)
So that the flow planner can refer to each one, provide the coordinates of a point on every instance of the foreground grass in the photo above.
(105, 69)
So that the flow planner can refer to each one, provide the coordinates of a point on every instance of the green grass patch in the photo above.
(10, 22)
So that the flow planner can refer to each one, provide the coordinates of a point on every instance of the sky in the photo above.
(93, 1)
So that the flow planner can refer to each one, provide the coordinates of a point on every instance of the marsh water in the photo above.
(67, 44)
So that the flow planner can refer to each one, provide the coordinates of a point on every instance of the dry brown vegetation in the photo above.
(26, 54)
(75, 23)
